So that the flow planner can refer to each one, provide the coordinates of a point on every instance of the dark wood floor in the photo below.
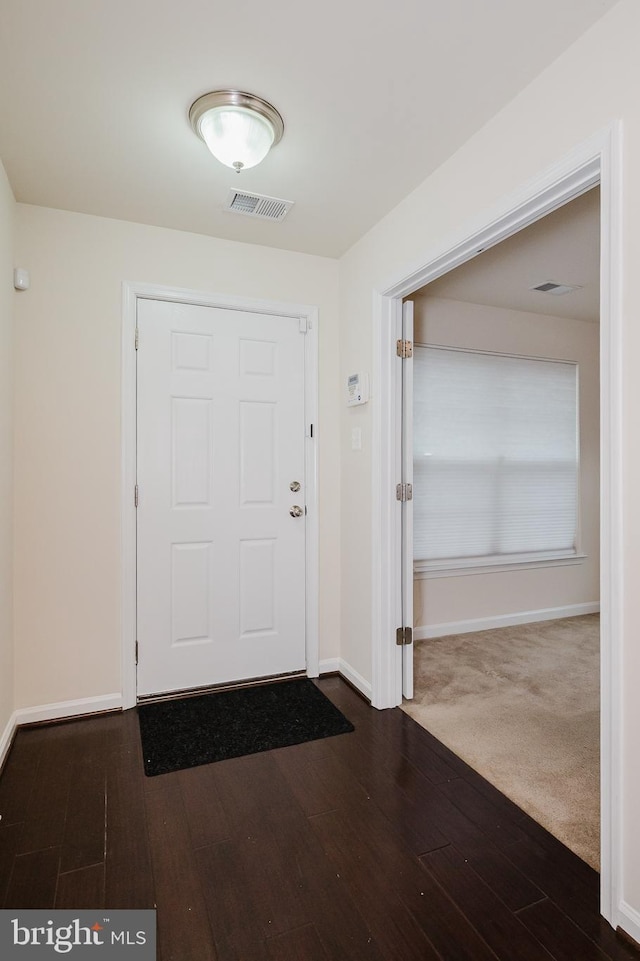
(377, 845)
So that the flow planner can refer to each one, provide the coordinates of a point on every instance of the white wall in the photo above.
(7, 207)
(67, 424)
(448, 600)
(592, 84)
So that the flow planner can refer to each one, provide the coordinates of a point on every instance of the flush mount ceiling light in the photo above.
(238, 128)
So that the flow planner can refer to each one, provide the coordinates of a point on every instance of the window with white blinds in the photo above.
(495, 458)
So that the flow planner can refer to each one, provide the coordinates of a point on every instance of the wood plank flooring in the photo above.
(379, 845)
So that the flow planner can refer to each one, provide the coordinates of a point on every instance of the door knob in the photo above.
(296, 511)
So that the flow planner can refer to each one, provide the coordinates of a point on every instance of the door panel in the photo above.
(221, 562)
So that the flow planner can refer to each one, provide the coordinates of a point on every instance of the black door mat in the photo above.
(200, 729)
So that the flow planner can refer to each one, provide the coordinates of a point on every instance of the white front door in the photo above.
(220, 442)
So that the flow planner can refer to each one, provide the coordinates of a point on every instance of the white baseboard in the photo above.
(330, 665)
(629, 921)
(55, 712)
(503, 620)
(64, 709)
(333, 664)
(7, 738)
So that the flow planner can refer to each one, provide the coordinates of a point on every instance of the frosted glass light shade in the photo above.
(237, 137)
(238, 128)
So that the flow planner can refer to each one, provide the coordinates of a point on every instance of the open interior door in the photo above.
(407, 498)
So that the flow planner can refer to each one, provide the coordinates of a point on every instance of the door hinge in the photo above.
(404, 492)
(136, 653)
(404, 635)
(137, 340)
(136, 495)
(404, 348)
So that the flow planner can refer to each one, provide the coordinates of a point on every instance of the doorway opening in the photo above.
(506, 511)
(592, 163)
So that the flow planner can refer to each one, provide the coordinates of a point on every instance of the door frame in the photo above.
(597, 160)
(308, 316)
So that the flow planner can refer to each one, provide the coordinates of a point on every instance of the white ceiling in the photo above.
(375, 95)
(563, 247)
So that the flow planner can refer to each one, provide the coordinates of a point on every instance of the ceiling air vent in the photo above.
(550, 287)
(256, 205)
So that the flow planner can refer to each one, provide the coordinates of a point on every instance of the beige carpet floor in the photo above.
(521, 706)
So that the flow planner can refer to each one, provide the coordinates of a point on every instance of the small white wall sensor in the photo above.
(21, 278)
(357, 389)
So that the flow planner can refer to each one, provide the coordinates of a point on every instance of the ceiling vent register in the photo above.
(551, 287)
(257, 205)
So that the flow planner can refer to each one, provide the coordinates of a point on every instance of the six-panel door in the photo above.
(221, 559)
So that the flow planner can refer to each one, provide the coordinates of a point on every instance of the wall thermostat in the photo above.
(357, 389)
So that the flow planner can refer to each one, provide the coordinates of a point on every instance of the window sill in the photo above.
(423, 570)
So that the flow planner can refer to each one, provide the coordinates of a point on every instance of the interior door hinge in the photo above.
(137, 340)
(404, 635)
(136, 653)
(404, 492)
(404, 348)
(136, 496)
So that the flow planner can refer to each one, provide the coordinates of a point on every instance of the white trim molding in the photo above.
(596, 160)
(338, 665)
(357, 680)
(82, 707)
(629, 921)
(62, 710)
(424, 570)
(329, 665)
(386, 567)
(6, 740)
(503, 620)
(308, 314)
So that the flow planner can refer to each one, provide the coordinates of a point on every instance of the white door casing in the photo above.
(221, 435)
(407, 504)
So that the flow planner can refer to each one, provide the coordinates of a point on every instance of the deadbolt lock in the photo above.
(294, 486)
